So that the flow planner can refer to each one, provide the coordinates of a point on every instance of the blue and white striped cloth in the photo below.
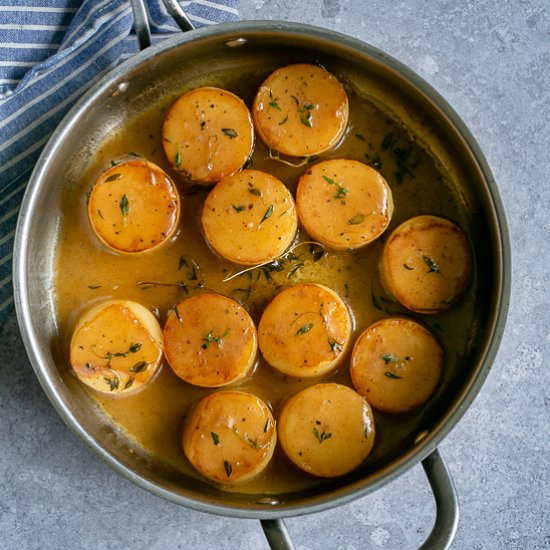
(51, 52)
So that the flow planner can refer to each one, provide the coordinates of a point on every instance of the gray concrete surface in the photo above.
(491, 60)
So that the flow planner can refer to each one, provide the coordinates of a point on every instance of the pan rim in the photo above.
(335, 497)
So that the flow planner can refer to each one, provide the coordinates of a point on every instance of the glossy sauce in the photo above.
(86, 272)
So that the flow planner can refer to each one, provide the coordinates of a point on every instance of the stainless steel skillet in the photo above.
(166, 67)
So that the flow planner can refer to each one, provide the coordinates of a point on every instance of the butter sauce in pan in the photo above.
(185, 265)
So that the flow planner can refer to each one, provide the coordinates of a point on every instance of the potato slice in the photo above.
(305, 331)
(396, 364)
(326, 429)
(343, 203)
(301, 110)
(134, 206)
(250, 217)
(116, 347)
(426, 264)
(210, 341)
(230, 436)
(208, 134)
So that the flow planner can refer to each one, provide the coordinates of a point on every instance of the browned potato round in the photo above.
(301, 110)
(305, 330)
(250, 217)
(210, 341)
(116, 347)
(344, 203)
(396, 364)
(134, 206)
(208, 134)
(230, 436)
(326, 429)
(426, 264)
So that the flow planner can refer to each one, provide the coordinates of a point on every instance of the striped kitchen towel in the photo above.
(51, 52)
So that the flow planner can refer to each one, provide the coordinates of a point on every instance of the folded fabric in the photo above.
(51, 52)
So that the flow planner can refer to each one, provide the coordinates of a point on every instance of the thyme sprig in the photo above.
(276, 264)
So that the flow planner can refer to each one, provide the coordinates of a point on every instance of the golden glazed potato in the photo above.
(210, 341)
(426, 264)
(305, 331)
(134, 206)
(344, 203)
(230, 436)
(396, 364)
(326, 430)
(250, 217)
(208, 134)
(116, 347)
(301, 110)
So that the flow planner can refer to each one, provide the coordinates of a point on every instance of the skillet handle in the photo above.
(446, 502)
(141, 20)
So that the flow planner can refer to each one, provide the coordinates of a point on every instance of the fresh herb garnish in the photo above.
(228, 467)
(129, 382)
(317, 251)
(209, 338)
(408, 267)
(389, 358)
(323, 436)
(229, 132)
(215, 438)
(392, 375)
(114, 177)
(139, 367)
(430, 262)
(273, 103)
(341, 192)
(334, 345)
(124, 205)
(239, 208)
(113, 383)
(132, 349)
(304, 329)
(388, 141)
(357, 219)
(255, 191)
(284, 120)
(267, 214)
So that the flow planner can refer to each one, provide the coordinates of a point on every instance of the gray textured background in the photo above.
(491, 60)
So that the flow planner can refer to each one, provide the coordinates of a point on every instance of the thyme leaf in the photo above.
(114, 177)
(392, 375)
(215, 438)
(430, 262)
(124, 205)
(232, 134)
(323, 436)
(113, 383)
(267, 214)
(228, 467)
(334, 345)
(305, 328)
(139, 367)
(357, 219)
(389, 358)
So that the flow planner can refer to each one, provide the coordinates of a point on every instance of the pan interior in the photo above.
(152, 83)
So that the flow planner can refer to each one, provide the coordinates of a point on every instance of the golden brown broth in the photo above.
(87, 272)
